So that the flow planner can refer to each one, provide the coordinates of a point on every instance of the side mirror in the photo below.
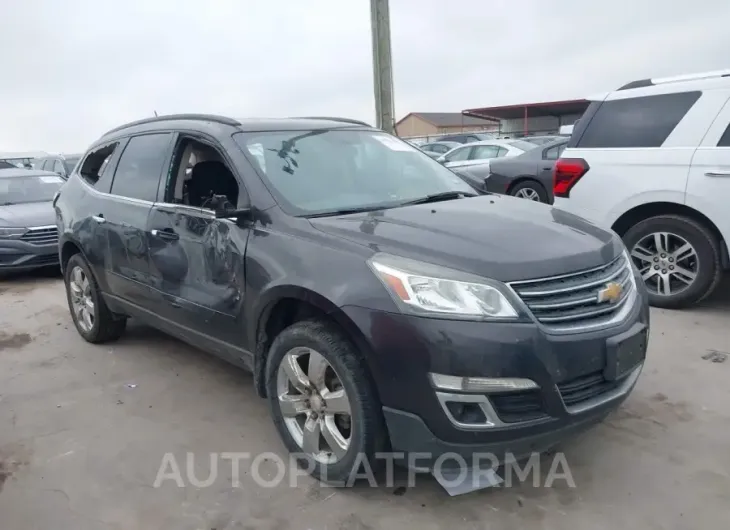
(225, 210)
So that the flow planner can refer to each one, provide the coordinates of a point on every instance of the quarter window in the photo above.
(138, 172)
(636, 122)
(725, 138)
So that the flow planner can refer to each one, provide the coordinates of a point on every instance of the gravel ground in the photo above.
(84, 429)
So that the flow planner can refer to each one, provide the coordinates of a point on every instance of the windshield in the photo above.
(20, 190)
(315, 172)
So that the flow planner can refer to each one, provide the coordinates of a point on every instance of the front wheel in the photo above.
(678, 258)
(322, 400)
(530, 190)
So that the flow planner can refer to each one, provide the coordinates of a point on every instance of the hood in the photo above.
(494, 236)
(28, 214)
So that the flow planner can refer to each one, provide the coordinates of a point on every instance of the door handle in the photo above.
(717, 173)
(169, 235)
(99, 218)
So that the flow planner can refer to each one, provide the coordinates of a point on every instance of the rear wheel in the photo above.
(91, 316)
(678, 258)
(530, 190)
(322, 401)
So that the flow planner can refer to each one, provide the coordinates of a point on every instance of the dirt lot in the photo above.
(83, 432)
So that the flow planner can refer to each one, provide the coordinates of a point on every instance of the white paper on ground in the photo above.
(458, 482)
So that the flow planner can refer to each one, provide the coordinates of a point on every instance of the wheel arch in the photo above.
(285, 305)
(524, 178)
(67, 248)
(644, 211)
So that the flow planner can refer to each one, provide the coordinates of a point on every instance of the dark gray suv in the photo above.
(378, 301)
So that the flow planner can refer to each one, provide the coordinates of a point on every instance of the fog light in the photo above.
(467, 413)
(481, 385)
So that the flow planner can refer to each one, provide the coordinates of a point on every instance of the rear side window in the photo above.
(138, 171)
(480, 152)
(725, 138)
(635, 122)
(459, 154)
(96, 162)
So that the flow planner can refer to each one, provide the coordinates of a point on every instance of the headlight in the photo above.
(430, 290)
(10, 233)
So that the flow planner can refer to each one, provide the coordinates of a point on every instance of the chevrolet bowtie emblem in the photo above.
(610, 293)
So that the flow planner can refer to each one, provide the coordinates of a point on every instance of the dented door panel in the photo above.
(197, 266)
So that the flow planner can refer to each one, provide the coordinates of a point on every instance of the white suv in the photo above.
(651, 160)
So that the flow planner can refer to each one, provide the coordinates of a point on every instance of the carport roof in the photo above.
(550, 108)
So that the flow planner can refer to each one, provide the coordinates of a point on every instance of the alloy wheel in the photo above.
(81, 299)
(528, 193)
(314, 404)
(668, 263)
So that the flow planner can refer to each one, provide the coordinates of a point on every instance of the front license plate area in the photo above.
(624, 352)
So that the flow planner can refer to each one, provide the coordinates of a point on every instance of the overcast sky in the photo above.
(71, 69)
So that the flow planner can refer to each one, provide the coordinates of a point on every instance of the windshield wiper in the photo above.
(345, 211)
(7, 203)
(443, 196)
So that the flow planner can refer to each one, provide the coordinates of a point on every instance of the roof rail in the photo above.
(676, 79)
(343, 120)
(203, 117)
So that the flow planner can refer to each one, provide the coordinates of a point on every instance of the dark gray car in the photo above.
(528, 176)
(28, 234)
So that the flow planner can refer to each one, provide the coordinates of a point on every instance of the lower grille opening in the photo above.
(585, 387)
(515, 407)
(468, 413)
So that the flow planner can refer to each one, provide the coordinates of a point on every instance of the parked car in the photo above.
(378, 302)
(652, 161)
(528, 176)
(466, 138)
(541, 140)
(481, 152)
(436, 149)
(28, 235)
(62, 165)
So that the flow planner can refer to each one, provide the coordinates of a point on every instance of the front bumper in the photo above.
(17, 255)
(569, 371)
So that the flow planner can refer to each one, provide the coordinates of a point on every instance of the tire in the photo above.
(530, 187)
(106, 326)
(367, 427)
(708, 269)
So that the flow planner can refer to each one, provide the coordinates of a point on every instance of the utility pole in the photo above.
(382, 65)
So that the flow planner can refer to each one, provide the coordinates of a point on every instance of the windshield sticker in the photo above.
(392, 143)
(51, 180)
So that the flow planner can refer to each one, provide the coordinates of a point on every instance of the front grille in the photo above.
(42, 235)
(572, 299)
(514, 407)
